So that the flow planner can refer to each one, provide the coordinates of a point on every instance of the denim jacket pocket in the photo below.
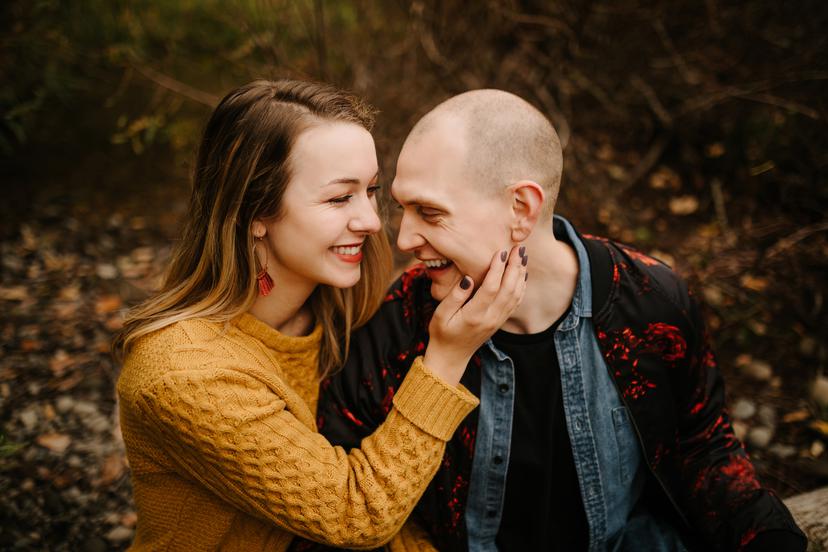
(626, 444)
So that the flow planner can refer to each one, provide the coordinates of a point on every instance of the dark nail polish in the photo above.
(522, 250)
(525, 276)
(465, 283)
(503, 256)
(524, 260)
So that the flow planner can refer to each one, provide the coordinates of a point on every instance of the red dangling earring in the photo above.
(262, 277)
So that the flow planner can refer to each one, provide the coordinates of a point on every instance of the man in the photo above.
(602, 422)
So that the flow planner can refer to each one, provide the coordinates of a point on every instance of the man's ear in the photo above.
(527, 204)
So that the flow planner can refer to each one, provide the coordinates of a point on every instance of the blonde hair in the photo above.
(241, 172)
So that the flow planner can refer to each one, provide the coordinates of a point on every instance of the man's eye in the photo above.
(340, 199)
(429, 214)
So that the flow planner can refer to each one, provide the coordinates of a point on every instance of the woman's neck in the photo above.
(286, 308)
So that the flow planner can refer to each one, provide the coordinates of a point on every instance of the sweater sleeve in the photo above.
(233, 434)
(411, 538)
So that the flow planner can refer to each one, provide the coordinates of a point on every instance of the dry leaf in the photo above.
(796, 416)
(60, 362)
(112, 469)
(14, 293)
(665, 178)
(755, 283)
(821, 426)
(55, 442)
(107, 304)
(69, 382)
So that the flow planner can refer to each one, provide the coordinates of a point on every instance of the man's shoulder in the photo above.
(629, 274)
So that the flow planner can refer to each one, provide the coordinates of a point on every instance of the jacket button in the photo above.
(491, 513)
(504, 388)
(497, 459)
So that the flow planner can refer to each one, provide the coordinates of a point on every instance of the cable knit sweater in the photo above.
(219, 426)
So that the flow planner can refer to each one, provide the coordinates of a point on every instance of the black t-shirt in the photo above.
(542, 508)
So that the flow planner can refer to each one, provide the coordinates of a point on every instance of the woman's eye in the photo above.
(340, 199)
(373, 189)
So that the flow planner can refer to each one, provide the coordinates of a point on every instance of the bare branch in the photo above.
(178, 87)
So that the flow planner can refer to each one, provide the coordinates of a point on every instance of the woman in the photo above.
(282, 256)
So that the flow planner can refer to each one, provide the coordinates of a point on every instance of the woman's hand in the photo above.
(461, 325)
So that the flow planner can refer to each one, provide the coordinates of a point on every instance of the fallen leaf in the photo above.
(821, 426)
(715, 150)
(68, 383)
(30, 345)
(107, 304)
(69, 293)
(129, 519)
(114, 324)
(14, 293)
(796, 416)
(665, 178)
(755, 283)
(55, 442)
(60, 362)
(112, 469)
(684, 205)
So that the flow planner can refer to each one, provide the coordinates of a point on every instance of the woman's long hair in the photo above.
(241, 173)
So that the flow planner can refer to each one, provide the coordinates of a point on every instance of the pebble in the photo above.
(106, 271)
(782, 451)
(64, 404)
(819, 392)
(743, 409)
(740, 430)
(96, 423)
(74, 461)
(85, 408)
(767, 415)
(119, 534)
(758, 370)
(29, 418)
(760, 437)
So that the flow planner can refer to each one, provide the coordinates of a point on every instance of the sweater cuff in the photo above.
(432, 404)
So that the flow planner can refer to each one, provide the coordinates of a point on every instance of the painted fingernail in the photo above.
(522, 250)
(524, 260)
(525, 276)
(465, 283)
(503, 255)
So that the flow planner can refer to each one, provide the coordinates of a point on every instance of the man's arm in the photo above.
(722, 494)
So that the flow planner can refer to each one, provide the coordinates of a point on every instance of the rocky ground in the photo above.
(66, 275)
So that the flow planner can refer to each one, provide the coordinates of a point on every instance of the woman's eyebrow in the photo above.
(351, 180)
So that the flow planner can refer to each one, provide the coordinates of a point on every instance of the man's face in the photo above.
(449, 221)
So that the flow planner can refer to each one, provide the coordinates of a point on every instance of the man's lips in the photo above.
(436, 265)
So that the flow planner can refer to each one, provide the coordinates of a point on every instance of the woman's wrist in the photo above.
(445, 366)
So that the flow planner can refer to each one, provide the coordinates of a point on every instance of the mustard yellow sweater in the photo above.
(219, 427)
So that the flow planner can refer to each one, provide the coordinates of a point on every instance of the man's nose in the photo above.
(408, 239)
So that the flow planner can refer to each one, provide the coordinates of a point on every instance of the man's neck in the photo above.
(553, 277)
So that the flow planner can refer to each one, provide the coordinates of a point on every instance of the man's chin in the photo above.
(439, 291)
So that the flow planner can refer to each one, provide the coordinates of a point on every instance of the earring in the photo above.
(262, 277)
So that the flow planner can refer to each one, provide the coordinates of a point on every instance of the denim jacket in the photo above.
(604, 444)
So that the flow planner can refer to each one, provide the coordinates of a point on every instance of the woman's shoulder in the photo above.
(187, 345)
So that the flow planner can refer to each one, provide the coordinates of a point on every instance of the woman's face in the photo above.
(328, 210)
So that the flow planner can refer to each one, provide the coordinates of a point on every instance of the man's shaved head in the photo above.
(506, 140)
